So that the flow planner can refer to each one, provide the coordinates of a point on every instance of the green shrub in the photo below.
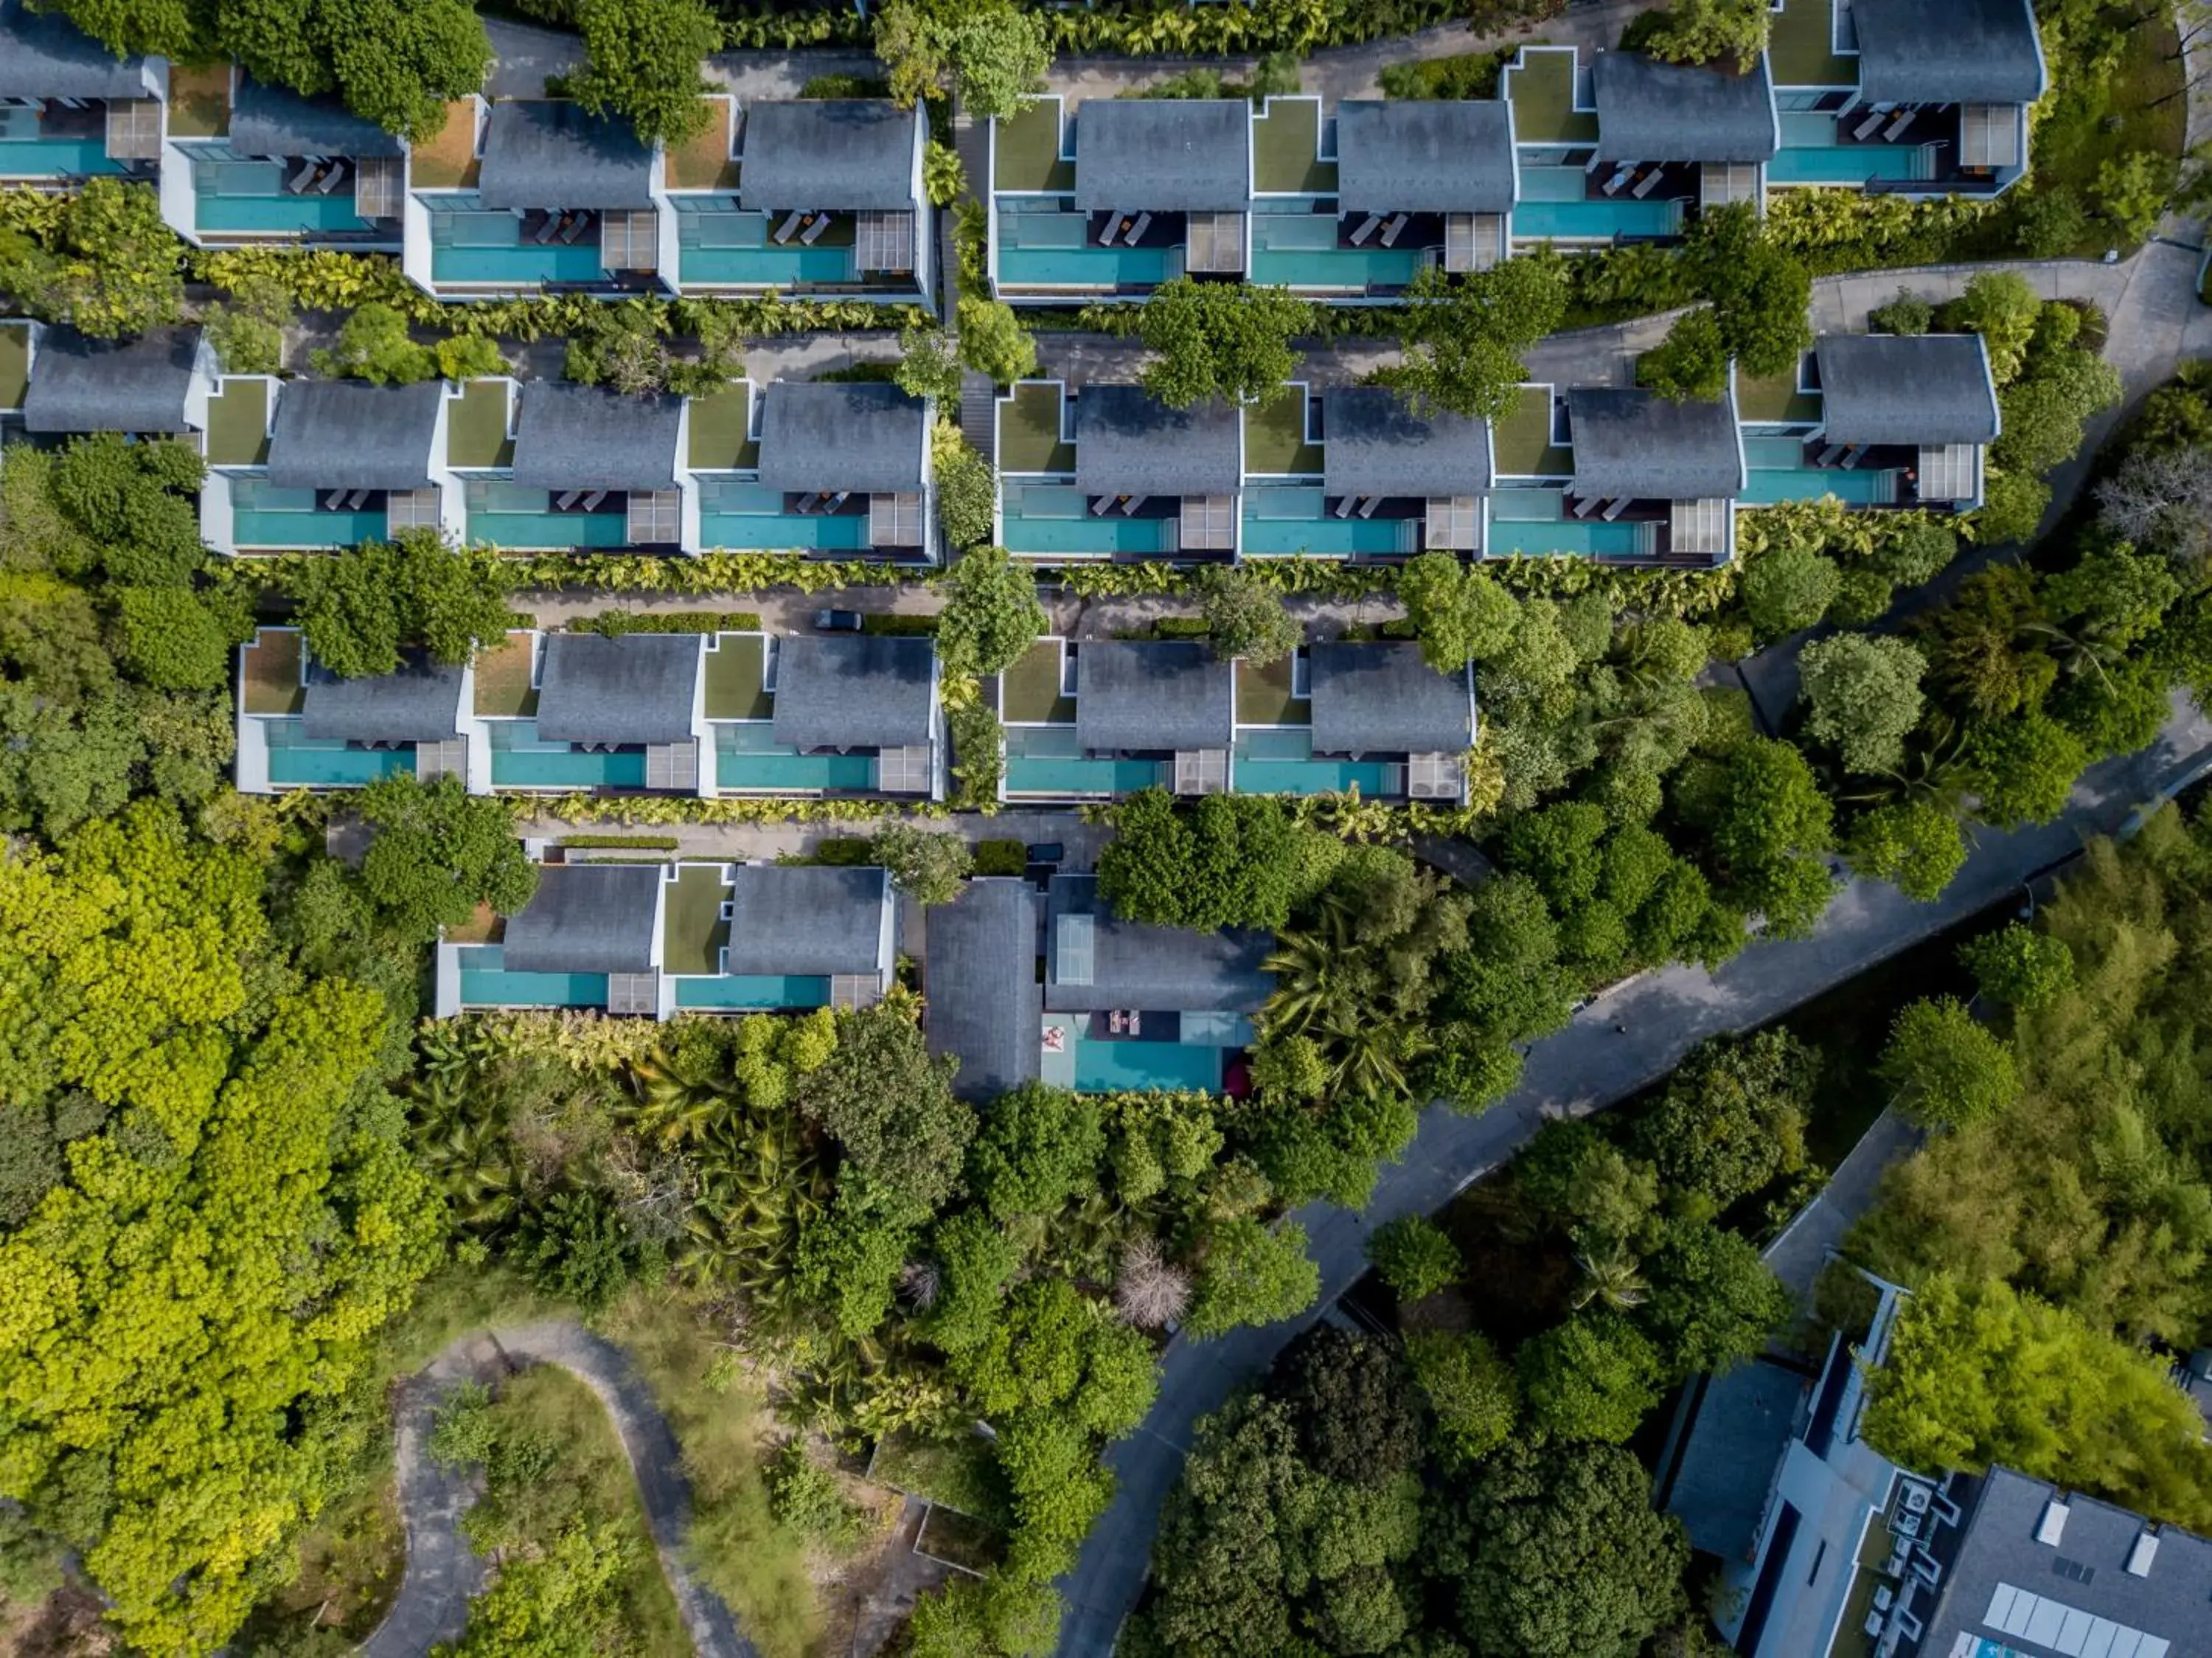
(844, 850)
(899, 627)
(612, 622)
(636, 843)
(1001, 857)
(1908, 314)
(1471, 75)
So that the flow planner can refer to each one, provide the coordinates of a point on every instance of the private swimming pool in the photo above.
(1048, 760)
(520, 760)
(1553, 203)
(738, 992)
(747, 759)
(296, 762)
(1282, 762)
(485, 983)
(1146, 1067)
(1280, 520)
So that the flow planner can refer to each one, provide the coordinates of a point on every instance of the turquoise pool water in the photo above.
(1283, 763)
(54, 158)
(751, 516)
(518, 265)
(1811, 153)
(551, 530)
(809, 773)
(294, 762)
(1292, 263)
(1562, 538)
(1045, 518)
(485, 983)
(1086, 267)
(1777, 473)
(738, 990)
(1552, 204)
(300, 527)
(519, 760)
(1047, 759)
(1145, 1067)
(249, 196)
(1278, 521)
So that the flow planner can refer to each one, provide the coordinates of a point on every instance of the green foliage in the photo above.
(247, 333)
(979, 758)
(1916, 844)
(1251, 1274)
(396, 64)
(642, 62)
(993, 342)
(991, 615)
(807, 1497)
(1475, 75)
(565, 1600)
(1057, 1351)
(1245, 617)
(1464, 334)
(244, 1126)
(1473, 1397)
(1692, 364)
(1415, 1256)
(944, 180)
(967, 491)
(437, 853)
(375, 345)
(462, 1430)
(1703, 31)
(975, 1263)
(1038, 1147)
(1789, 588)
(108, 266)
(1948, 1068)
(2024, 768)
(175, 639)
(1908, 314)
(1359, 1420)
(891, 1106)
(1227, 861)
(361, 608)
(1769, 825)
(1732, 1119)
(2020, 966)
(575, 1248)
(926, 865)
(1593, 1377)
(991, 57)
(1864, 692)
(1227, 340)
(1977, 1374)
(1715, 1303)
(926, 366)
(1761, 292)
(1460, 614)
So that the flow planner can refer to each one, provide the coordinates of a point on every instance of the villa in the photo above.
(260, 165)
(984, 1003)
(1829, 1550)
(67, 386)
(72, 110)
(657, 939)
(684, 714)
(341, 462)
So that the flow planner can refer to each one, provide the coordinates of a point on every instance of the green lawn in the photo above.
(476, 426)
(1029, 431)
(1263, 695)
(15, 364)
(1541, 90)
(1287, 149)
(720, 424)
(1028, 692)
(2090, 120)
(1799, 48)
(693, 931)
(1524, 446)
(238, 423)
(503, 685)
(734, 667)
(272, 673)
(1276, 437)
(1027, 147)
(1774, 400)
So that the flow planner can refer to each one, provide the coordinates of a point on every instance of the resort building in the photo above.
(72, 110)
(246, 164)
(657, 939)
(57, 384)
(982, 999)
(334, 464)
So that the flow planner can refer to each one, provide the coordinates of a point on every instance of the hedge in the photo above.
(637, 842)
(1001, 857)
(611, 623)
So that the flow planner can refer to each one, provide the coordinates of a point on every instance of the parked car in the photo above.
(837, 621)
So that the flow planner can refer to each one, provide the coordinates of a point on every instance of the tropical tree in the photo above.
(642, 63)
(1227, 340)
(109, 268)
(1245, 617)
(1460, 614)
(991, 616)
(992, 56)
(1465, 334)
(1949, 1068)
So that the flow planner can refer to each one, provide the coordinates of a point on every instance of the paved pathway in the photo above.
(442, 1573)
(1584, 1068)
(734, 842)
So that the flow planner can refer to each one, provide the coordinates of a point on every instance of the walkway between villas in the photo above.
(1585, 1068)
(1079, 839)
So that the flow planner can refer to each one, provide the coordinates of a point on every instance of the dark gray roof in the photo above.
(805, 920)
(1163, 155)
(1644, 446)
(80, 385)
(543, 153)
(419, 703)
(1384, 699)
(1163, 969)
(587, 918)
(1908, 388)
(45, 55)
(1997, 1545)
(841, 435)
(632, 688)
(834, 153)
(342, 434)
(587, 437)
(1376, 444)
(1129, 443)
(1649, 111)
(270, 121)
(984, 1001)
(854, 691)
(1424, 155)
(1947, 52)
(1727, 1464)
(1151, 694)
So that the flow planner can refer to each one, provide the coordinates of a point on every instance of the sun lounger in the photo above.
(298, 183)
(812, 234)
(1130, 503)
(1343, 508)
(1853, 455)
(545, 231)
(1102, 505)
(567, 499)
(578, 223)
(334, 500)
(1368, 504)
(592, 500)
(1396, 228)
(1612, 509)
(788, 228)
(1903, 120)
(357, 499)
(1830, 455)
(1109, 231)
(1648, 183)
(1585, 507)
(1872, 121)
(1367, 227)
(805, 505)
(836, 501)
(1137, 230)
(331, 180)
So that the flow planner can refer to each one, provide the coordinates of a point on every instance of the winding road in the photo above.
(443, 1572)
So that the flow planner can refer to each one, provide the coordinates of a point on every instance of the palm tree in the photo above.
(1307, 967)
(1611, 1276)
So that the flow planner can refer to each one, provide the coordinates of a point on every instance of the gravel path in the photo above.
(443, 1573)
